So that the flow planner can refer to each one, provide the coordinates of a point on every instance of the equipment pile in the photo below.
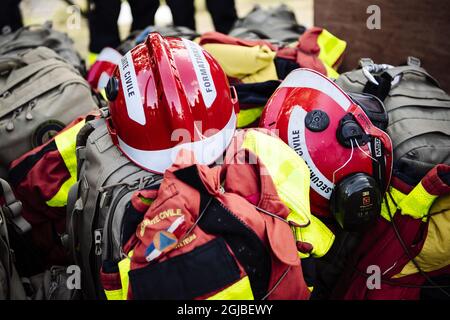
(238, 166)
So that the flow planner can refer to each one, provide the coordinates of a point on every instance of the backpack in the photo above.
(278, 24)
(33, 36)
(40, 93)
(96, 203)
(11, 287)
(418, 111)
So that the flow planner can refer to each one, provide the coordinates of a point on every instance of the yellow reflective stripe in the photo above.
(435, 253)
(248, 116)
(317, 234)
(240, 290)
(103, 93)
(113, 294)
(124, 268)
(331, 47)
(417, 203)
(302, 255)
(288, 171)
(331, 73)
(146, 201)
(291, 178)
(92, 57)
(66, 144)
(398, 197)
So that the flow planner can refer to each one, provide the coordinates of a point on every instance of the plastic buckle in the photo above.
(12, 212)
(413, 61)
(365, 62)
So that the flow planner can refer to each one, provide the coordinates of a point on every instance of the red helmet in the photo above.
(103, 68)
(333, 135)
(168, 94)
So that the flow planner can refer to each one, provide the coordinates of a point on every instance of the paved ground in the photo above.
(37, 11)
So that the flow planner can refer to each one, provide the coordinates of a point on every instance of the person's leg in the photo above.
(143, 12)
(103, 29)
(10, 16)
(183, 12)
(223, 13)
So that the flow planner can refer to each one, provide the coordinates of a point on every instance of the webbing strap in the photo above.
(12, 209)
(411, 70)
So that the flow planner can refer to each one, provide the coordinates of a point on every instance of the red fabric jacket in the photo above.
(381, 247)
(187, 188)
(35, 178)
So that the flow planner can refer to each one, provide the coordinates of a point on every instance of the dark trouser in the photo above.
(223, 13)
(10, 15)
(103, 16)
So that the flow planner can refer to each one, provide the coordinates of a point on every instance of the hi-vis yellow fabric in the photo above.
(92, 57)
(248, 116)
(291, 177)
(317, 234)
(240, 290)
(66, 144)
(435, 253)
(416, 204)
(124, 268)
(249, 64)
(331, 50)
(331, 73)
(114, 294)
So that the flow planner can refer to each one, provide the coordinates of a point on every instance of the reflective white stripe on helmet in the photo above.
(206, 151)
(297, 141)
(202, 71)
(109, 55)
(130, 87)
(307, 78)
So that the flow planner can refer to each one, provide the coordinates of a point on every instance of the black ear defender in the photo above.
(373, 108)
(356, 202)
(112, 89)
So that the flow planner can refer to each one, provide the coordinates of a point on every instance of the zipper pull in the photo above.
(10, 124)
(98, 242)
(30, 107)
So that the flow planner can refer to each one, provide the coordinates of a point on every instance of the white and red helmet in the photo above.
(168, 94)
(334, 136)
(103, 68)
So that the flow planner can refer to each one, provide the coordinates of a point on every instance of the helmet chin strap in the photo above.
(346, 162)
(376, 160)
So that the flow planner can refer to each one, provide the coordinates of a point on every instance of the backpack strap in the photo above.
(8, 63)
(13, 208)
(411, 69)
(14, 287)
